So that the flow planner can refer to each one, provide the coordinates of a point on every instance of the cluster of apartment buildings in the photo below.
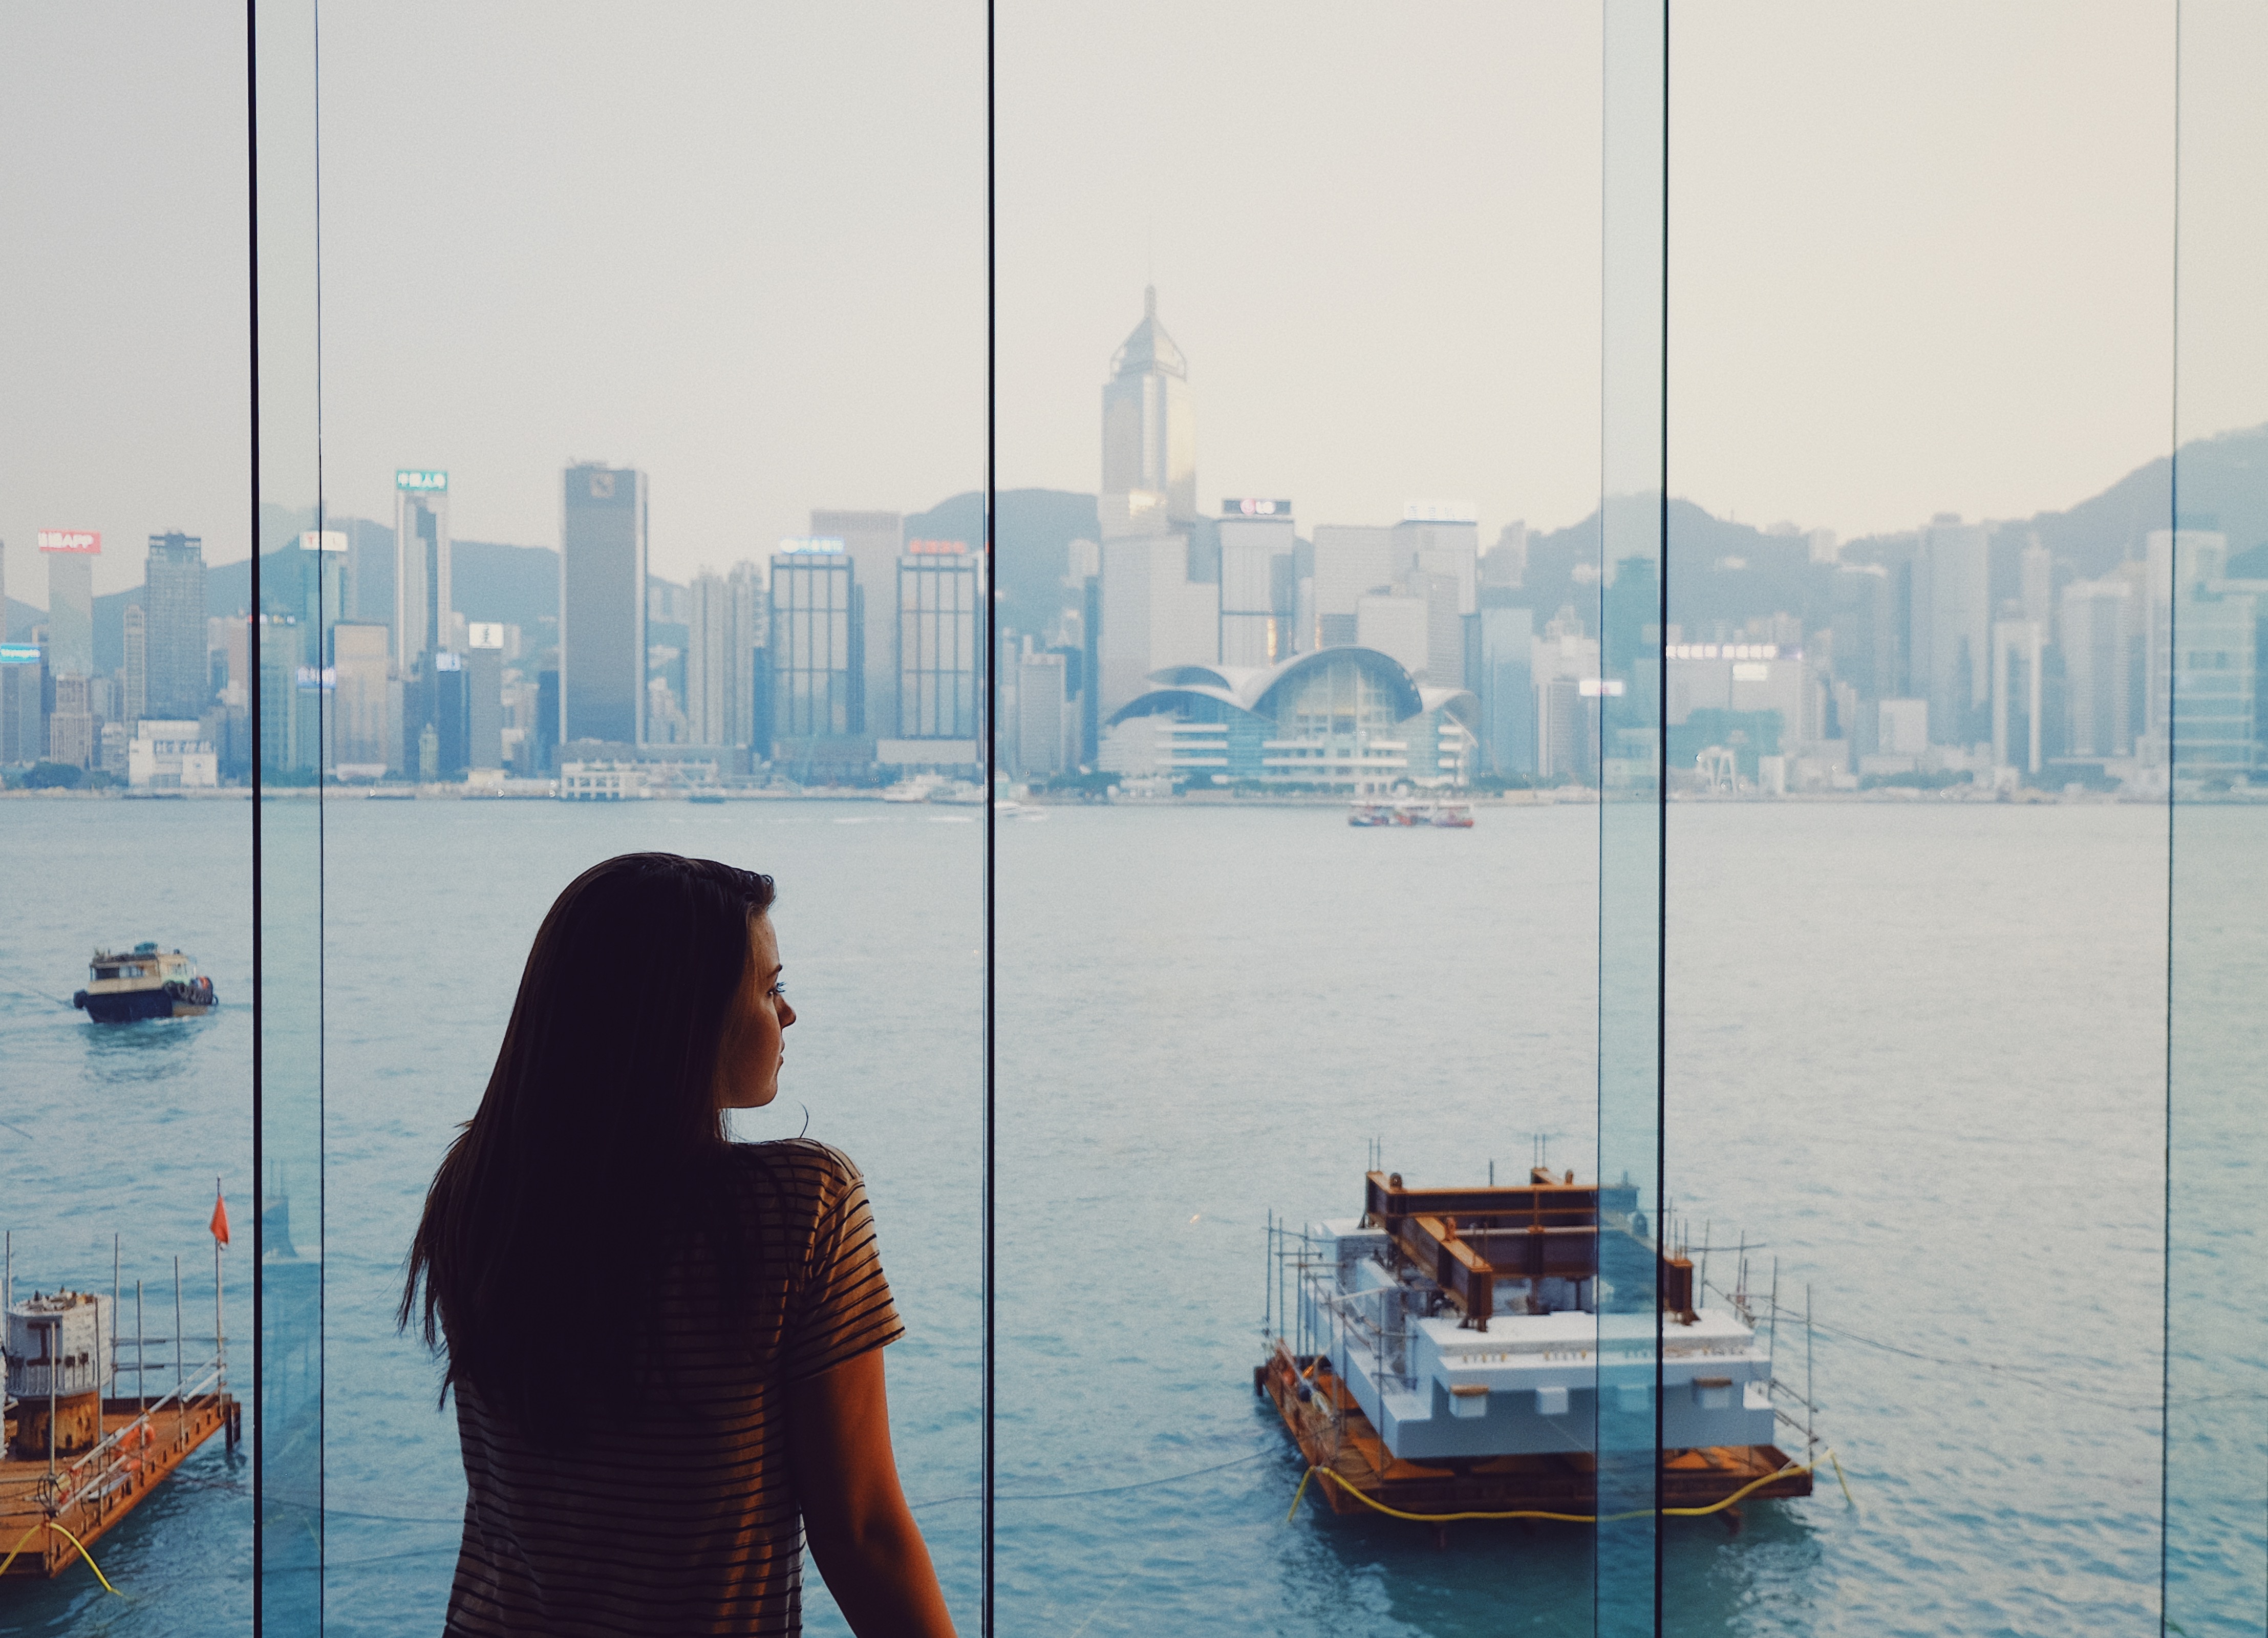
(1232, 645)
(157, 718)
(2123, 677)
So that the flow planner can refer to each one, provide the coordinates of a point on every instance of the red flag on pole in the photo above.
(219, 1224)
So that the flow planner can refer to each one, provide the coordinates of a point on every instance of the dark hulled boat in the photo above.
(145, 982)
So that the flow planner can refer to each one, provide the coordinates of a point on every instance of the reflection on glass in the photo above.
(1640, 1291)
(294, 586)
(2207, 588)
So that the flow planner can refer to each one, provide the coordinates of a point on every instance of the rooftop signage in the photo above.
(937, 549)
(811, 544)
(1594, 688)
(415, 478)
(19, 654)
(316, 679)
(483, 634)
(87, 541)
(1731, 651)
(1249, 508)
(1440, 511)
(322, 540)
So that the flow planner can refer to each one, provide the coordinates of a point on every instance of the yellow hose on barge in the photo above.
(51, 1524)
(1564, 1519)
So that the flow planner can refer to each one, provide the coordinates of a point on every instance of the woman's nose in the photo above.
(787, 1013)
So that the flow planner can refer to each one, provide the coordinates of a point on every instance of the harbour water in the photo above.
(1917, 1055)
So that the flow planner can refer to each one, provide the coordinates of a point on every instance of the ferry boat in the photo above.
(1455, 1352)
(919, 788)
(1411, 814)
(145, 982)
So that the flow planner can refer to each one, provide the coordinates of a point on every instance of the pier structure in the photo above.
(76, 1454)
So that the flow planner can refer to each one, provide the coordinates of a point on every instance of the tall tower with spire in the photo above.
(1149, 428)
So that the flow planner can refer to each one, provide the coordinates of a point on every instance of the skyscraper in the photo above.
(137, 664)
(2096, 628)
(2018, 719)
(424, 597)
(1951, 619)
(602, 599)
(1149, 426)
(939, 607)
(2202, 633)
(1041, 714)
(71, 555)
(810, 649)
(20, 687)
(1437, 548)
(359, 701)
(1351, 561)
(70, 726)
(1398, 621)
(1257, 538)
(1160, 608)
(873, 542)
(1507, 700)
(174, 612)
(725, 640)
(484, 695)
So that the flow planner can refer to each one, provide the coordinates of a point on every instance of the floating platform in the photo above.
(1356, 1473)
(49, 1516)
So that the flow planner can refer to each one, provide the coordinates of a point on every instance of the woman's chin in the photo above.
(756, 1099)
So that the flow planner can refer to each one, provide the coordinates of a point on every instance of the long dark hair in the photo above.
(598, 1154)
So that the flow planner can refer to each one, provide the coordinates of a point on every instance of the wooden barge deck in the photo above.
(49, 1517)
(1356, 1473)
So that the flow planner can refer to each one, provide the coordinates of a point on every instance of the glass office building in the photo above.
(939, 610)
(602, 604)
(816, 665)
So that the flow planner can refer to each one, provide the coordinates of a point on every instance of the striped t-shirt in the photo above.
(682, 1516)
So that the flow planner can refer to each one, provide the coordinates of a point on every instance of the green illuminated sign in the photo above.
(405, 478)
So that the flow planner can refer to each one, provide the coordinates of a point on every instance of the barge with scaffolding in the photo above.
(1465, 1352)
(78, 1455)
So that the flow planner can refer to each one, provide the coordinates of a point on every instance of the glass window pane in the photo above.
(2212, 579)
(295, 715)
(126, 970)
(1293, 337)
(1919, 373)
(561, 602)
(1641, 1393)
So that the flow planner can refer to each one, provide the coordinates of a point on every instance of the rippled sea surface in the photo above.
(1917, 1057)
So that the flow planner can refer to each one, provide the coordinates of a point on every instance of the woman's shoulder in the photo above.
(801, 1169)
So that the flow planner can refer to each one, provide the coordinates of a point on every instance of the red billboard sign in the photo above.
(937, 549)
(88, 540)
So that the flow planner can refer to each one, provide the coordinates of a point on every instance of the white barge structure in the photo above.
(1448, 1354)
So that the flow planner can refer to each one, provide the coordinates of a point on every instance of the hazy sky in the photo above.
(1921, 255)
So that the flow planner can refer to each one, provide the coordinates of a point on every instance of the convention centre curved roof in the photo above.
(1249, 688)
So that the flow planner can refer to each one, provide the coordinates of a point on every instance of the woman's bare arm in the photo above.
(865, 1538)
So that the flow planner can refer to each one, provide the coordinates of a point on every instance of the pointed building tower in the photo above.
(1149, 430)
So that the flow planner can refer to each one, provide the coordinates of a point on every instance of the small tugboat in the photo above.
(1452, 1353)
(145, 982)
